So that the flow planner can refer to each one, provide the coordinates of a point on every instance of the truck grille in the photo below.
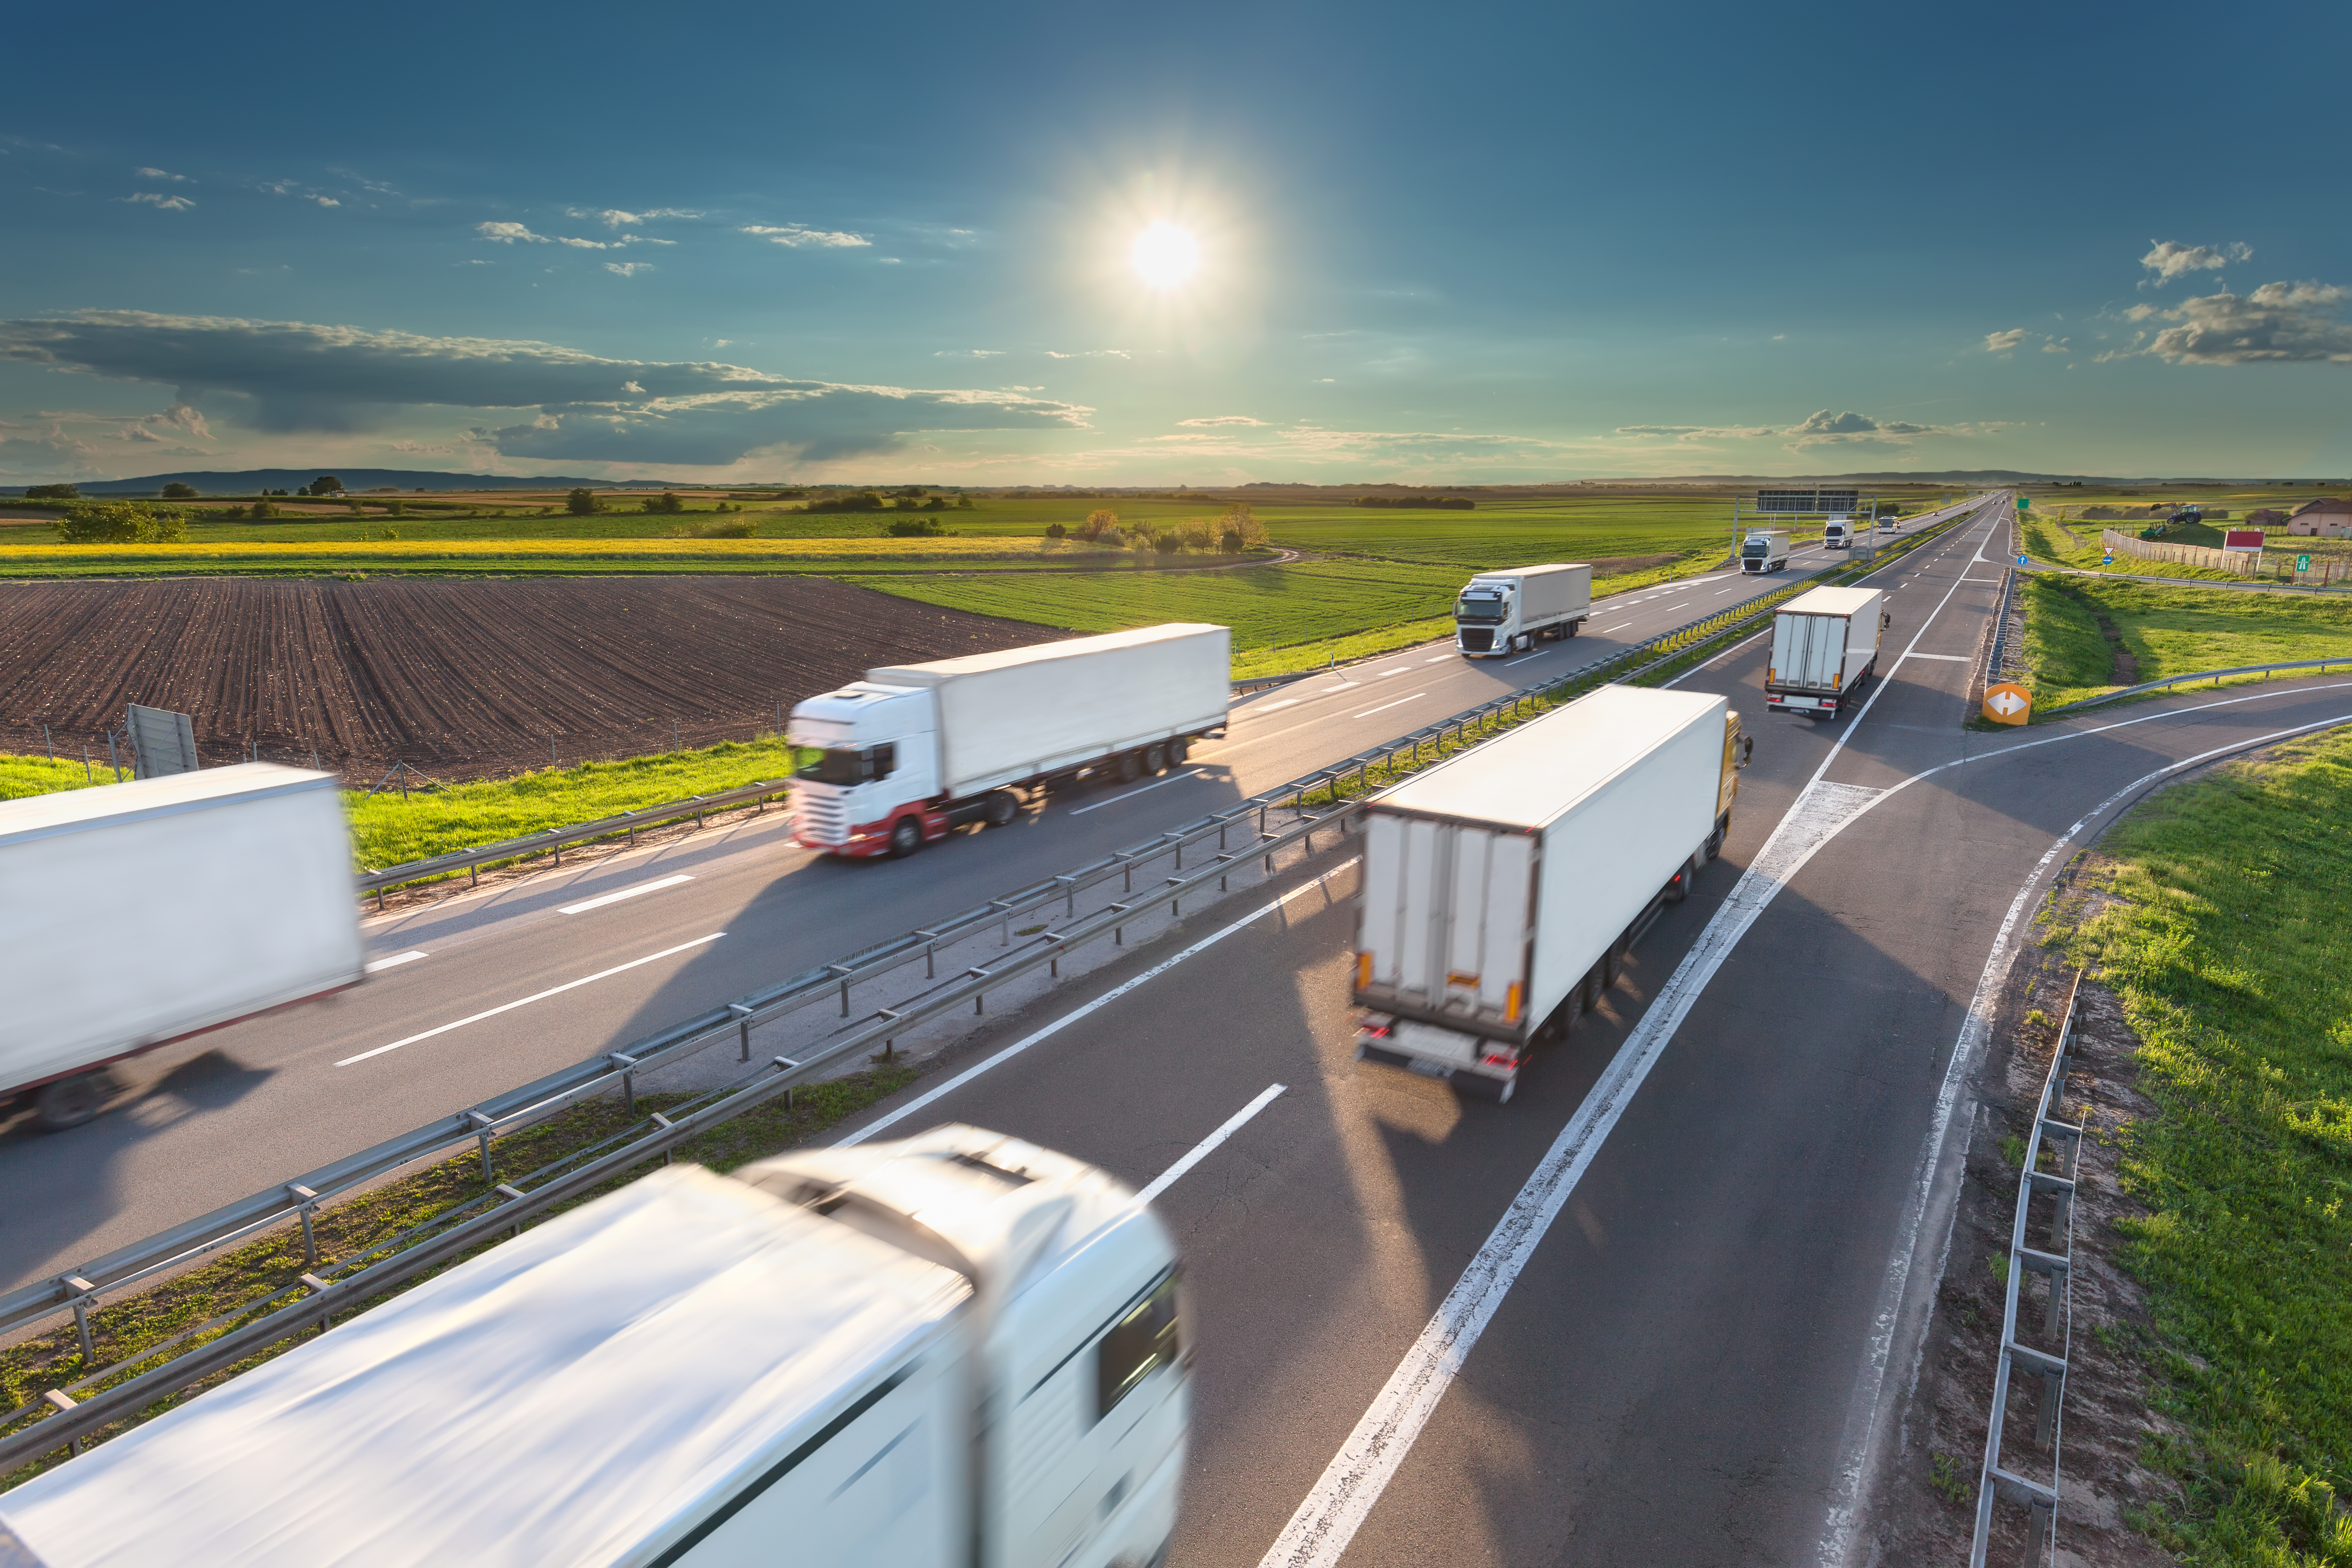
(818, 817)
(1477, 639)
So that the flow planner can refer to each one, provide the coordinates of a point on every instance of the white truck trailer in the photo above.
(1824, 649)
(1502, 888)
(1765, 550)
(914, 750)
(957, 1350)
(1505, 612)
(133, 915)
(1837, 534)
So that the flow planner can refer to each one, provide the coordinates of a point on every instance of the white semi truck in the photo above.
(1502, 888)
(914, 750)
(1765, 550)
(1825, 648)
(961, 1349)
(1505, 612)
(135, 915)
(1837, 534)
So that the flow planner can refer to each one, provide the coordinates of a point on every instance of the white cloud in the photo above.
(292, 377)
(162, 174)
(1823, 428)
(2277, 322)
(507, 233)
(967, 353)
(1215, 421)
(515, 233)
(157, 199)
(1700, 433)
(1089, 353)
(629, 269)
(327, 201)
(615, 218)
(2057, 346)
(2003, 343)
(2169, 259)
(798, 235)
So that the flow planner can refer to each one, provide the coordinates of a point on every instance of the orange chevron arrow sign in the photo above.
(2007, 703)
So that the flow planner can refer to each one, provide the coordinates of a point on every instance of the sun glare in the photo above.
(1165, 256)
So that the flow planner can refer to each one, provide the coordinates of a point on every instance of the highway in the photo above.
(1695, 1249)
(706, 919)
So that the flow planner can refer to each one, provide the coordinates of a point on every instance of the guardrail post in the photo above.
(64, 1402)
(482, 1125)
(83, 1289)
(307, 1201)
(627, 1063)
(743, 1021)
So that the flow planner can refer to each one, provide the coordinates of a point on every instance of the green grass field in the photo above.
(2166, 631)
(21, 776)
(2229, 942)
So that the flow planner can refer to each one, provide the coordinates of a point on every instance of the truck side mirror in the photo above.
(1747, 749)
(1886, 619)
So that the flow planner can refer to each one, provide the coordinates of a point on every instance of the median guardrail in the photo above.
(2054, 1263)
(2215, 676)
(1314, 802)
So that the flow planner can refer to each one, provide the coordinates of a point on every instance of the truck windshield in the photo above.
(1481, 609)
(1756, 547)
(848, 765)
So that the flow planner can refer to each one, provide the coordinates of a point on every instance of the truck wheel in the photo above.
(1179, 748)
(1571, 628)
(1678, 884)
(1002, 808)
(906, 838)
(1155, 759)
(1131, 767)
(68, 1102)
(1714, 845)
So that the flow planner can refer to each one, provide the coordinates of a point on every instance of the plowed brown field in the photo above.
(460, 679)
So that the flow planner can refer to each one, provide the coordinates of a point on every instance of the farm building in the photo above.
(2326, 518)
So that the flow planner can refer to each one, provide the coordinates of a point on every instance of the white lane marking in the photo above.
(1398, 669)
(1523, 658)
(1948, 658)
(540, 996)
(1685, 605)
(1343, 686)
(1142, 789)
(584, 905)
(1319, 1533)
(1105, 1000)
(1206, 1146)
(1272, 707)
(1618, 627)
(1437, 659)
(1721, 592)
(394, 962)
(1386, 706)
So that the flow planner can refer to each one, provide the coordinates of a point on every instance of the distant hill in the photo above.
(249, 481)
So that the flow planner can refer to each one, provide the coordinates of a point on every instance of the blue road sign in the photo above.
(2107, 559)
(2022, 560)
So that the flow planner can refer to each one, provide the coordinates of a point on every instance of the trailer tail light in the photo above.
(1511, 1003)
(1363, 971)
(1372, 1025)
(1500, 1056)
(1770, 675)
(1837, 680)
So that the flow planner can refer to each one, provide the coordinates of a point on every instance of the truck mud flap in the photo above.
(1484, 1085)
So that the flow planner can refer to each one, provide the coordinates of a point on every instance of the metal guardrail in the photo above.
(553, 839)
(67, 1418)
(2215, 676)
(2054, 1263)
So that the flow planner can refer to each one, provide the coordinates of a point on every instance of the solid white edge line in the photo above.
(375, 965)
(1146, 789)
(1206, 1146)
(1386, 706)
(598, 902)
(1105, 1000)
(540, 996)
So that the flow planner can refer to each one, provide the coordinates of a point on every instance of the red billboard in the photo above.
(2242, 539)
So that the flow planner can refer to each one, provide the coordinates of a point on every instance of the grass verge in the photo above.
(244, 1277)
(2079, 545)
(21, 776)
(2228, 938)
(2085, 637)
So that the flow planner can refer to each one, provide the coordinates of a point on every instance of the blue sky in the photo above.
(1436, 245)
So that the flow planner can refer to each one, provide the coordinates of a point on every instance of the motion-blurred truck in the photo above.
(1824, 649)
(1502, 887)
(135, 915)
(914, 750)
(958, 1350)
(1505, 612)
(1765, 550)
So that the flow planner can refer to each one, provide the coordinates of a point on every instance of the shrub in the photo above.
(1167, 544)
(912, 528)
(1055, 530)
(664, 502)
(581, 502)
(121, 522)
(176, 490)
(1239, 518)
(1230, 542)
(52, 492)
(1099, 522)
(963, 503)
(325, 485)
(263, 511)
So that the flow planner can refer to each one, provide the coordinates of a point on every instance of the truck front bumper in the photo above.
(1461, 1059)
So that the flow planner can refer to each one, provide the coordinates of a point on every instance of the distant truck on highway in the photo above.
(1837, 534)
(1766, 550)
(957, 1350)
(915, 749)
(1824, 649)
(1502, 888)
(135, 915)
(1505, 612)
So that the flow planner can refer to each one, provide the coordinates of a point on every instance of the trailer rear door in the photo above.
(1446, 914)
(1807, 651)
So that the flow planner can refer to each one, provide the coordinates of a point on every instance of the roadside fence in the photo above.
(824, 1019)
(2215, 676)
(2045, 1362)
(2244, 563)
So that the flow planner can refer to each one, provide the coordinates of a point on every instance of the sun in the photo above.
(1164, 255)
